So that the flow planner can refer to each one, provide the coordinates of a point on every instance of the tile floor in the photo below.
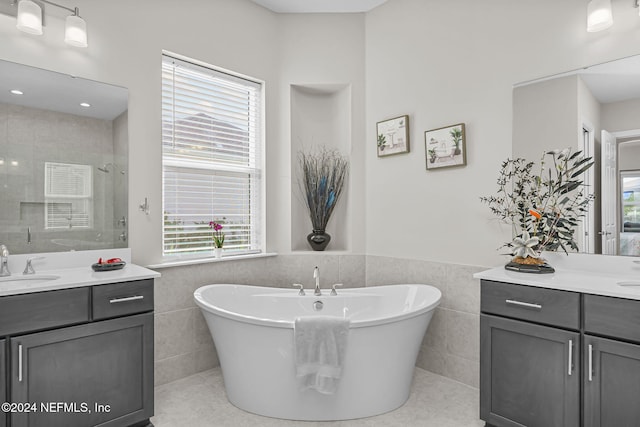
(200, 401)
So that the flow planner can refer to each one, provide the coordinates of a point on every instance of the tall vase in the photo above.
(318, 240)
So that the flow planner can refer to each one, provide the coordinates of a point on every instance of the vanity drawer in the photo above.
(540, 305)
(612, 317)
(43, 310)
(120, 299)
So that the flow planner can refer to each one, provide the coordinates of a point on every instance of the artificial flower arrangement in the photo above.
(218, 234)
(323, 177)
(545, 208)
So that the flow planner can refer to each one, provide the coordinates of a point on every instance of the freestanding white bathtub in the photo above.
(252, 328)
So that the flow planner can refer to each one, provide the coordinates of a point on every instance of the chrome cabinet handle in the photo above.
(524, 304)
(20, 362)
(570, 367)
(590, 362)
(125, 299)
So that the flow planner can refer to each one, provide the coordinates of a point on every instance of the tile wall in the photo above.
(183, 345)
(451, 346)
(30, 137)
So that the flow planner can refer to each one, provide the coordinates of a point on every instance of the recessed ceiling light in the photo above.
(85, 104)
(17, 92)
(14, 163)
(1, 162)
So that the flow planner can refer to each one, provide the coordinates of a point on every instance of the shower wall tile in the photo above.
(32, 137)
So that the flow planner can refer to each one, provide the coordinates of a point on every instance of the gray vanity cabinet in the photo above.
(543, 350)
(612, 362)
(612, 388)
(529, 356)
(84, 359)
(96, 368)
(3, 382)
(528, 374)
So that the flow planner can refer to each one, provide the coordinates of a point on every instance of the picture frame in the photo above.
(445, 147)
(392, 136)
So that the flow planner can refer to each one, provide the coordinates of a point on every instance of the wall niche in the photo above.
(320, 116)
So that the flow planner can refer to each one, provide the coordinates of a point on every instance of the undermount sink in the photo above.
(630, 283)
(27, 279)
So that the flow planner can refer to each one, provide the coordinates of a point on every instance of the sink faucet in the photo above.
(4, 259)
(28, 269)
(316, 275)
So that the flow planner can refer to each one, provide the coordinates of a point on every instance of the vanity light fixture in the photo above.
(30, 21)
(29, 17)
(599, 15)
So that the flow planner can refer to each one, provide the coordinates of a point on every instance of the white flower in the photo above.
(523, 246)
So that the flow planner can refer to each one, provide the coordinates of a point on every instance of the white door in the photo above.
(609, 195)
(587, 227)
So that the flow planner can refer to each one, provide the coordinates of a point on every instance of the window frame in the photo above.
(258, 235)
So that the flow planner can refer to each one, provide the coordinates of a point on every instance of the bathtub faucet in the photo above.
(316, 275)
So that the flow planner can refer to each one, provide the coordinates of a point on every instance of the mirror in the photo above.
(63, 162)
(597, 110)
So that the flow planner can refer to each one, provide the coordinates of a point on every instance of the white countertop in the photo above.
(74, 270)
(74, 278)
(590, 274)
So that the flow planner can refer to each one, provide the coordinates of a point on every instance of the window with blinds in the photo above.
(68, 195)
(211, 159)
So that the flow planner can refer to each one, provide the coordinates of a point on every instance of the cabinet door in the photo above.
(611, 383)
(98, 374)
(3, 382)
(528, 374)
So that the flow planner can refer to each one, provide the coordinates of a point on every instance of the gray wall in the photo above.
(621, 116)
(545, 117)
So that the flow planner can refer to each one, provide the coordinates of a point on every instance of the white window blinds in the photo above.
(211, 159)
(68, 193)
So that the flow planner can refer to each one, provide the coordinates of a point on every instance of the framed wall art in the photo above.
(445, 147)
(393, 136)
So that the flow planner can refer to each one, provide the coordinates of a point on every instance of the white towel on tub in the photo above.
(320, 344)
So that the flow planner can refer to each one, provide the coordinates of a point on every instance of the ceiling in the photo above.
(60, 92)
(319, 6)
(613, 81)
